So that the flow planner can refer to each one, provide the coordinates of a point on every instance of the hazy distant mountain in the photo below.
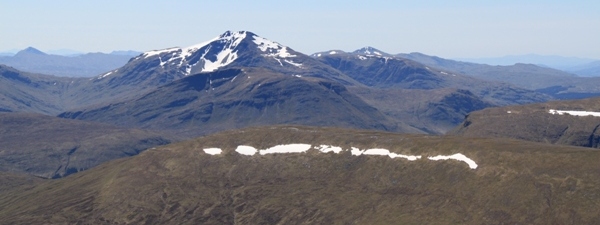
(557, 83)
(492, 181)
(83, 65)
(128, 53)
(556, 62)
(591, 69)
(65, 52)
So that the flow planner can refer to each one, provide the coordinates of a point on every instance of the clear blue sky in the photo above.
(450, 29)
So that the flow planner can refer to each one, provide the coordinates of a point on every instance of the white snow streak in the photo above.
(302, 148)
(376, 151)
(458, 156)
(573, 113)
(299, 65)
(408, 157)
(213, 151)
(291, 148)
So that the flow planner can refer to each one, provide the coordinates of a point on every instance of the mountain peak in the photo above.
(368, 50)
(31, 50)
(221, 51)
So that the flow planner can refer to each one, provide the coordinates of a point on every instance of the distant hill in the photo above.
(214, 180)
(591, 69)
(556, 83)
(556, 62)
(536, 122)
(75, 65)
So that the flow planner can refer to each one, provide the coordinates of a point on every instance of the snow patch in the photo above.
(273, 49)
(246, 150)
(574, 113)
(332, 52)
(290, 148)
(329, 148)
(408, 157)
(213, 151)
(458, 156)
(106, 74)
(356, 151)
(376, 151)
(299, 65)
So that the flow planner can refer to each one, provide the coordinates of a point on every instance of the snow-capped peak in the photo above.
(369, 51)
(219, 52)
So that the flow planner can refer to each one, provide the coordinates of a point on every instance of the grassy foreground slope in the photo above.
(515, 182)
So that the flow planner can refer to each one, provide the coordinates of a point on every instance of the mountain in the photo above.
(82, 65)
(126, 52)
(234, 98)
(591, 69)
(51, 147)
(559, 122)
(556, 62)
(335, 176)
(28, 92)
(65, 52)
(231, 49)
(235, 80)
(425, 97)
(289, 88)
(433, 111)
(556, 83)
(370, 51)
(392, 72)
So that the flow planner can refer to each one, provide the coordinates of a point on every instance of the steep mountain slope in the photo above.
(558, 84)
(434, 111)
(86, 65)
(234, 98)
(50, 147)
(497, 182)
(27, 92)
(537, 122)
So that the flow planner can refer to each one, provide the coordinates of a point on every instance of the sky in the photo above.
(449, 29)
